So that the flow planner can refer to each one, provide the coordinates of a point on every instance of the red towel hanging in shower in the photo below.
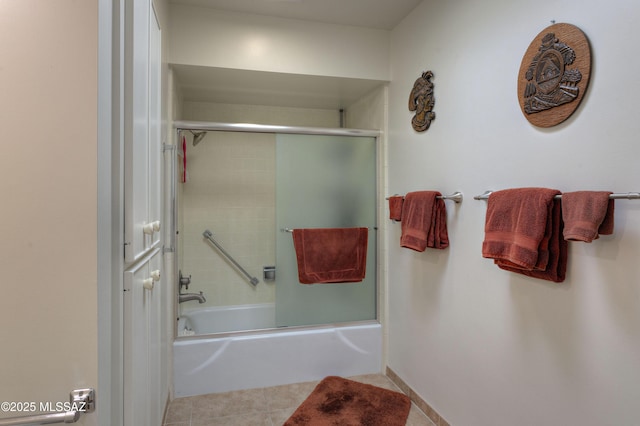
(184, 159)
(331, 255)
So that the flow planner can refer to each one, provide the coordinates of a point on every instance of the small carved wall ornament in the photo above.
(421, 101)
(554, 75)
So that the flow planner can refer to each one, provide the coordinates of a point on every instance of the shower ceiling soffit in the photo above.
(245, 87)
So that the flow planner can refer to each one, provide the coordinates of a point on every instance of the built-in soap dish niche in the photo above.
(269, 273)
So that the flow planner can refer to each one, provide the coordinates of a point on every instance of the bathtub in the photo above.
(246, 360)
(222, 319)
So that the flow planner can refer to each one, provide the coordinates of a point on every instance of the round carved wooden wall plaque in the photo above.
(554, 75)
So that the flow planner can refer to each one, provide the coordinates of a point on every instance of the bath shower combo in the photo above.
(216, 346)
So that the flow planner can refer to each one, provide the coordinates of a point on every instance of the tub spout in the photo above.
(185, 297)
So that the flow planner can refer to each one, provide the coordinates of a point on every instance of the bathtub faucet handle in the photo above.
(183, 281)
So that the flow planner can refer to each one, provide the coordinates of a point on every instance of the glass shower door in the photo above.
(324, 182)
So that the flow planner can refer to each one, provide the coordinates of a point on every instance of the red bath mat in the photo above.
(338, 401)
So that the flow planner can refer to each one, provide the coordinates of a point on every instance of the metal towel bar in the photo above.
(620, 196)
(209, 236)
(456, 197)
(80, 401)
(291, 230)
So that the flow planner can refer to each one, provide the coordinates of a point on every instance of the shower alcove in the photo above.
(235, 184)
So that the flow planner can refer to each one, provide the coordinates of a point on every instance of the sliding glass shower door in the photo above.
(324, 182)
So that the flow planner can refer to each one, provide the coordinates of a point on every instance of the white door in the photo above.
(143, 396)
(142, 290)
(142, 144)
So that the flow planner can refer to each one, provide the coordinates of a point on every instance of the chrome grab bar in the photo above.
(209, 236)
(80, 401)
(43, 419)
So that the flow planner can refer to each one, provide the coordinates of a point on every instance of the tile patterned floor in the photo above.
(261, 407)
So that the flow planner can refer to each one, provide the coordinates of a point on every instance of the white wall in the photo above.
(481, 345)
(48, 258)
(208, 37)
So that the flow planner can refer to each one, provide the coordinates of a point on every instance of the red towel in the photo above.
(331, 255)
(424, 221)
(556, 267)
(184, 159)
(517, 227)
(587, 214)
(395, 207)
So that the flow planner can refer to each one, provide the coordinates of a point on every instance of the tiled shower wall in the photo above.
(230, 190)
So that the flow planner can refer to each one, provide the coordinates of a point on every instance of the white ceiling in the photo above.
(262, 88)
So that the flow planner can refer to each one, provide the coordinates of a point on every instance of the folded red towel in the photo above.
(395, 207)
(517, 227)
(587, 214)
(424, 221)
(556, 267)
(331, 255)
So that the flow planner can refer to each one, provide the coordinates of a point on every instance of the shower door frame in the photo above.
(182, 125)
